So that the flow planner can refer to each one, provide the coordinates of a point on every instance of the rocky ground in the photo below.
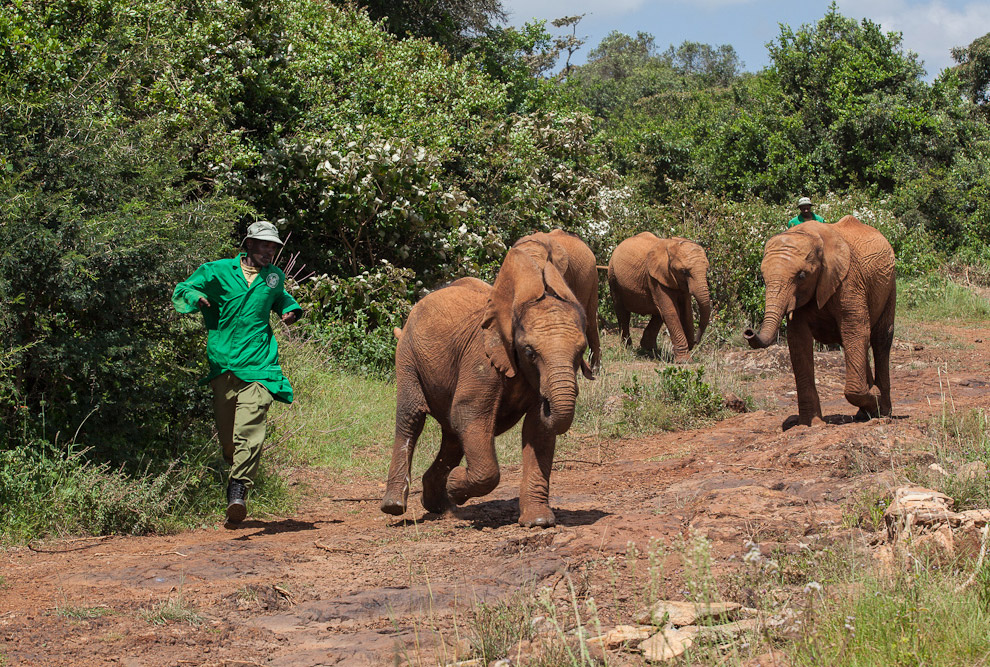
(342, 583)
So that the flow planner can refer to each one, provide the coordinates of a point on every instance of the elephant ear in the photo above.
(658, 265)
(518, 281)
(835, 265)
(554, 283)
(558, 255)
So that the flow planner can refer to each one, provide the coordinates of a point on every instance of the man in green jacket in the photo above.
(806, 214)
(236, 297)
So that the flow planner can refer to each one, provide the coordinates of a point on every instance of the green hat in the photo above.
(263, 231)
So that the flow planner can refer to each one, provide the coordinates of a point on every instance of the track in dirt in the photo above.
(342, 583)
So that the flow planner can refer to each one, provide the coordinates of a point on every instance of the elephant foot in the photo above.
(864, 415)
(393, 505)
(435, 494)
(396, 496)
(686, 359)
(538, 518)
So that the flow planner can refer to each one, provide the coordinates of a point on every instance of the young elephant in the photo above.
(576, 262)
(658, 277)
(835, 284)
(478, 358)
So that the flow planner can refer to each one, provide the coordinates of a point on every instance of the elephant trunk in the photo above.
(777, 302)
(560, 396)
(699, 290)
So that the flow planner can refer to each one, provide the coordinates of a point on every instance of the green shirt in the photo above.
(797, 219)
(240, 338)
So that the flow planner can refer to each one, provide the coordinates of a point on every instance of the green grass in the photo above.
(82, 613)
(935, 298)
(345, 422)
(907, 620)
(171, 610)
(46, 492)
(958, 438)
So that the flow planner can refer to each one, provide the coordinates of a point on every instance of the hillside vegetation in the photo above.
(140, 138)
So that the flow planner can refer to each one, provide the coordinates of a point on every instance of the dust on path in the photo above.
(342, 583)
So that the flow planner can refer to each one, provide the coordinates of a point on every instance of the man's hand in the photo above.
(291, 316)
(203, 303)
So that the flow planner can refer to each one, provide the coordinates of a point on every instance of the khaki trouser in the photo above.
(241, 408)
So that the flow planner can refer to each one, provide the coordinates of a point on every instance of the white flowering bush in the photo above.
(354, 316)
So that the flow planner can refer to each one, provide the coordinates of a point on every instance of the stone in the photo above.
(938, 470)
(623, 635)
(668, 644)
(672, 612)
(736, 404)
(727, 631)
(975, 471)
(923, 506)
(976, 517)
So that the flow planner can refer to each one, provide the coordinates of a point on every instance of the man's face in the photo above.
(805, 209)
(261, 253)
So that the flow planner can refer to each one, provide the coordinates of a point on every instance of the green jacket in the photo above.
(240, 338)
(797, 220)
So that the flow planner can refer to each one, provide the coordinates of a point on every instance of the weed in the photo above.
(500, 626)
(901, 621)
(172, 609)
(81, 613)
(866, 510)
(935, 298)
(961, 438)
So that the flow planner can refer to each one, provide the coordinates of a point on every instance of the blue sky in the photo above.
(930, 27)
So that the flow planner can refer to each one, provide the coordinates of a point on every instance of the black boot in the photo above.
(236, 495)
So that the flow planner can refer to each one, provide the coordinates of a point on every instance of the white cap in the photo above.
(263, 231)
(804, 201)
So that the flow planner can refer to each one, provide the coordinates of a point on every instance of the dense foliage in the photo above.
(399, 146)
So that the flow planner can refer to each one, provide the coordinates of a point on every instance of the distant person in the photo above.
(236, 297)
(805, 213)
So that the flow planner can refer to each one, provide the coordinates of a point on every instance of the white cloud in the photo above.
(520, 11)
(930, 28)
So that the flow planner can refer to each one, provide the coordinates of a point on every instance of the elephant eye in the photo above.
(529, 352)
(802, 275)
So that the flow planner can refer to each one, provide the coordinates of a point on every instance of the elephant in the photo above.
(658, 277)
(835, 284)
(479, 358)
(576, 262)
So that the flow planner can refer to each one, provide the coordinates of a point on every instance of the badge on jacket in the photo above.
(272, 280)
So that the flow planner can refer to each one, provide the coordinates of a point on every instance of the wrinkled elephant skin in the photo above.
(835, 284)
(576, 263)
(659, 277)
(479, 358)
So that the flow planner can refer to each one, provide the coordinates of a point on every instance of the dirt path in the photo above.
(342, 583)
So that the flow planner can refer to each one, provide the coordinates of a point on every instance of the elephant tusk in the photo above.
(790, 316)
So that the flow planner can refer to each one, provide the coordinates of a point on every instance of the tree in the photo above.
(453, 24)
(974, 70)
(714, 66)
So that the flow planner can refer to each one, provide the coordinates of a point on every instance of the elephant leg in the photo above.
(594, 343)
(480, 475)
(801, 348)
(537, 457)
(649, 340)
(686, 314)
(667, 302)
(855, 345)
(881, 340)
(435, 478)
(410, 416)
(621, 313)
